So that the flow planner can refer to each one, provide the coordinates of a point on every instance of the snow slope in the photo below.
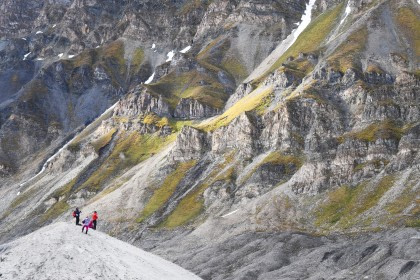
(62, 251)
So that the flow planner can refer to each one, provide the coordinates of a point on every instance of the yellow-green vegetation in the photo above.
(414, 219)
(194, 84)
(301, 66)
(162, 122)
(103, 140)
(137, 60)
(227, 176)
(377, 163)
(110, 57)
(22, 198)
(217, 56)
(192, 5)
(248, 103)
(88, 57)
(35, 89)
(383, 130)
(346, 55)
(345, 204)
(312, 37)
(409, 23)
(207, 50)
(373, 68)
(151, 119)
(129, 150)
(235, 67)
(192, 204)
(309, 92)
(64, 190)
(265, 103)
(178, 125)
(290, 162)
(90, 129)
(56, 210)
(162, 194)
(403, 201)
(114, 50)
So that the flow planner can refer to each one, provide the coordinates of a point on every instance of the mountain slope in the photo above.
(323, 138)
(62, 251)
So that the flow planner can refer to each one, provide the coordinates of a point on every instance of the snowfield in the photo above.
(62, 251)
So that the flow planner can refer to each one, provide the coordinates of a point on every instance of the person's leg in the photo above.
(77, 220)
(83, 227)
(87, 229)
(94, 224)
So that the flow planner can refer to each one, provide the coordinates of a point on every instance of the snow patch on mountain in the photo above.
(26, 55)
(170, 55)
(185, 50)
(150, 79)
(346, 13)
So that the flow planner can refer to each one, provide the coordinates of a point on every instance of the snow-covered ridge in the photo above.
(62, 251)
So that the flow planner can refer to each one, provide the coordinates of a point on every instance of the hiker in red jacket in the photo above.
(94, 219)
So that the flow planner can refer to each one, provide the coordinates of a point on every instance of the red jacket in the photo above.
(94, 216)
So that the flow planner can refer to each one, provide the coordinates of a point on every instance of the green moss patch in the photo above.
(56, 210)
(406, 198)
(192, 205)
(104, 140)
(235, 67)
(22, 198)
(277, 158)
(248, 103)
(345, 204)
(165, 191)
(409, 23)
(346, 55)
(128, 151)
(110, 57)
(291, 163)
(382, 130)
(312, 37)
(194, 85)
(137, 60)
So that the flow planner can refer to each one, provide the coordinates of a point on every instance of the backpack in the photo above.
(74, 213)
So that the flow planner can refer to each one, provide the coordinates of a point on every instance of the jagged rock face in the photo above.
(191, 144)
(138, 103)
(193, 109)
(41, 37)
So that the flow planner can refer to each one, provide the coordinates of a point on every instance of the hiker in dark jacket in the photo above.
(76, 214)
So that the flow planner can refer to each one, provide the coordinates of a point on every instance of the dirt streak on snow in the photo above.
(62, 251)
